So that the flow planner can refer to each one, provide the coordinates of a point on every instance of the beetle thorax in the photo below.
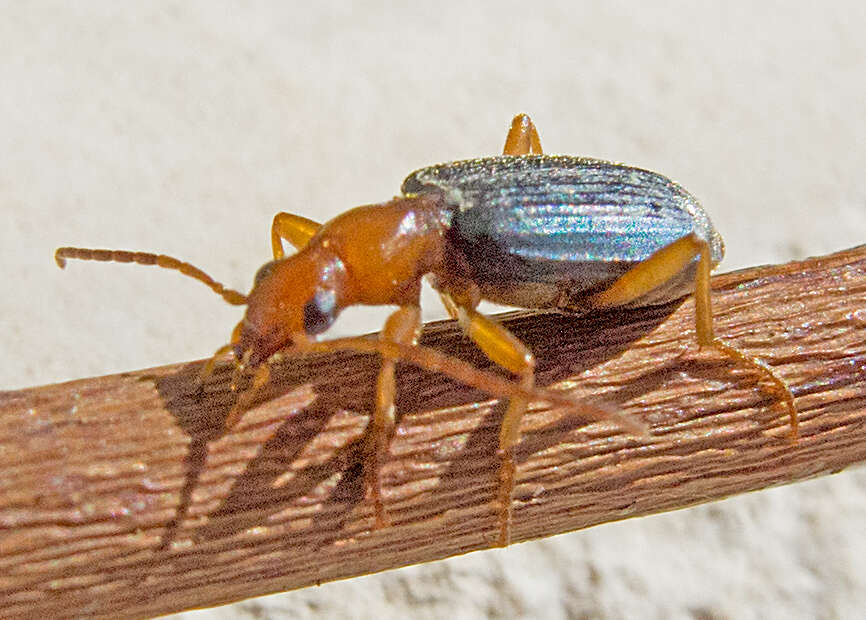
(387, 248)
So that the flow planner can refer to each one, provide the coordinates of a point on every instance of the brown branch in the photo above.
(120, 496)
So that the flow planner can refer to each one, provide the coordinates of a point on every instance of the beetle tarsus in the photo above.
(505, 498)
(781, 390)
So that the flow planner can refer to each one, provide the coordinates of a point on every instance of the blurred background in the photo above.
(182, 127)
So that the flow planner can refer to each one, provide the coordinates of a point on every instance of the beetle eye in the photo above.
(320, 312)
(264, 271)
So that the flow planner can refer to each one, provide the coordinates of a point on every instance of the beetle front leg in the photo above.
(503, 348)
(522, 138)
(246, 398)
(295, 229)
(209, 366)
(402, 327)
(663, 265)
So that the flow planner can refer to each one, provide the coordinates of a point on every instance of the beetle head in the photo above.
(293, 300)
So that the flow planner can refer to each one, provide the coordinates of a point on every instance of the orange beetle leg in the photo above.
(661, 267)
(402, 327)
(522, 138)
(503, 348)
(295, 229)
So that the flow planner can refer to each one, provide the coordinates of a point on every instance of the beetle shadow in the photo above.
(259, 489)
(202, 421)
(565, 347)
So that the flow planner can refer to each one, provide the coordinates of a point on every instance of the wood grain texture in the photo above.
(121, 496)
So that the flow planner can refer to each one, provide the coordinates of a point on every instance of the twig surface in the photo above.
(120, 496)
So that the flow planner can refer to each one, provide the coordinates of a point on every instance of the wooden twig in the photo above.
(120, 495)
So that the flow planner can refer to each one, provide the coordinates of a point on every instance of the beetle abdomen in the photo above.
(551, 229)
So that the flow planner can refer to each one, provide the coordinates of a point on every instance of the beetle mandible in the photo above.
(573, 234)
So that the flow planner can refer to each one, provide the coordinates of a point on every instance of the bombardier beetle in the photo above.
(572, 234)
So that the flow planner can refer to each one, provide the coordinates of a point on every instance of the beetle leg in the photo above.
(663, 265)
(402, 327)
(208, 368)
(503, 348)
(450, 305)
(246, 398)
(522, 138)
(295, 229)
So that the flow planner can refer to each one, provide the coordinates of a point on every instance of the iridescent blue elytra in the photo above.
(546, 231)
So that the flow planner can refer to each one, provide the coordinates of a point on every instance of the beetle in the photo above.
(571, 234)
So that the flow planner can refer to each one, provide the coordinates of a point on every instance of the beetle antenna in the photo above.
(146, 258)
(433, 360)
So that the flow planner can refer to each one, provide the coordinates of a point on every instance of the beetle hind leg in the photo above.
(781, 388)
(660, 268)
(522, 138)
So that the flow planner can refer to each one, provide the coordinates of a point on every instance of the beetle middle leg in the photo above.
(506, 350)
(660, 268)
